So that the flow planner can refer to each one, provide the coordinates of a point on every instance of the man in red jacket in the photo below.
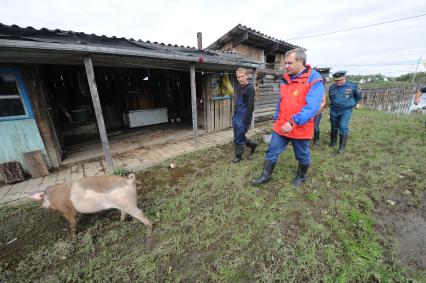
(300, 99)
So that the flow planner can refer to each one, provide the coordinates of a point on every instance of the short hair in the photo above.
(300, 54)
(241, 70)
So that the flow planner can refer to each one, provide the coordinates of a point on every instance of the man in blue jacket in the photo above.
(243, 113)
(344, 96)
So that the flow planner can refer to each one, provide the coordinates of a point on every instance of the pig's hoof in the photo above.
(153, 226)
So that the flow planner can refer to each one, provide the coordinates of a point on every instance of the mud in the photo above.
(31, 229)
(403, 225)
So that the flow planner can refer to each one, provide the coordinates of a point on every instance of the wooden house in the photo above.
(61, 90)
(269, 52)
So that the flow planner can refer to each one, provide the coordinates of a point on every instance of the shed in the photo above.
(61, 89)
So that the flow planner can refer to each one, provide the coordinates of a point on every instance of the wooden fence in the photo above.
(397, 99)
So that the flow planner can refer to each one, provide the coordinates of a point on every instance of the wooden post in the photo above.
(98, 111)
(254, 85)
(194, 105)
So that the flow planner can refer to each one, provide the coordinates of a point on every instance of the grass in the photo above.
(212, 225)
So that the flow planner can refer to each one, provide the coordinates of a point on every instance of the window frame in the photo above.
(29, 114)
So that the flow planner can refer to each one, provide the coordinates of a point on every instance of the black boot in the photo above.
(316, 138)
(342, 143)
(301, 175)
(268, 168)
(252, 145)
(239, 149)
(333, 138)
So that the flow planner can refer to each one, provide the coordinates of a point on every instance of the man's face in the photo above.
(340, 81)
(292, 66)
(242, 78)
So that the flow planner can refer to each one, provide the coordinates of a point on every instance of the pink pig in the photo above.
(93, 194)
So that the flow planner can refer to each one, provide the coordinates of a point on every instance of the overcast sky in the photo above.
(391, 49)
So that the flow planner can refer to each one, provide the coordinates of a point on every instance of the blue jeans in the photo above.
(279, 143)
(339, 121)
(317, 121)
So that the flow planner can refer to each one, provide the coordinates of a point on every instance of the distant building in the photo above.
(325, 72)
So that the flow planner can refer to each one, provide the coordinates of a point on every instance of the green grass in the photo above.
(212, 225)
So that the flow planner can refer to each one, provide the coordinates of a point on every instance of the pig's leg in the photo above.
(123, 215)
(71, 217)
(138, 214)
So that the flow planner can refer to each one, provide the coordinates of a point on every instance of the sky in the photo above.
(391, 49)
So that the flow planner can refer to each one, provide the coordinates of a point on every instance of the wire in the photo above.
(367, 65)
(360, 27)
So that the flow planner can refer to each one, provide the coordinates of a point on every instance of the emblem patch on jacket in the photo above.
(296, 92)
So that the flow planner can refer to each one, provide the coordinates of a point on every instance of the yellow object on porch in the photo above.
(227, 88)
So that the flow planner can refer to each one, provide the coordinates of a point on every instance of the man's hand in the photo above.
(287, 128)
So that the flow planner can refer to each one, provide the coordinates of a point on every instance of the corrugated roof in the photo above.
(242, 28)
(77, 41)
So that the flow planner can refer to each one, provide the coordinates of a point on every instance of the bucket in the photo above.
(267, 138)
(81, 115)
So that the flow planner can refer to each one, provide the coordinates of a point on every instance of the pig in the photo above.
(93, 194)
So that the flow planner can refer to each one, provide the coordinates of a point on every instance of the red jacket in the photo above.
(293, 94)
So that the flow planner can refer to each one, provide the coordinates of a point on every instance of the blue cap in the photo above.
(339, 74)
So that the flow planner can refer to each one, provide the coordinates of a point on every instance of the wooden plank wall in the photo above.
(267, 93)
(18, 137)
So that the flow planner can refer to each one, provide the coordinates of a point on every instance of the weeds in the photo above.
(212, 225)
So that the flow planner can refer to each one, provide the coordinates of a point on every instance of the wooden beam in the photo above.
(98, 111)
(239, 39)
(194, 105)
(254, 85)
(68, 49)
(274, 48)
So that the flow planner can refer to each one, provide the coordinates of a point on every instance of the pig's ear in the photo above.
(37, 195)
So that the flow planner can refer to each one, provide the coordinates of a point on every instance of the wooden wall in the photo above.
(267, 93)
(18, 137)
(251, 52)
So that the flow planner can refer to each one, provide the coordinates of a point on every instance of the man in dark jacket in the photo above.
(344, 96)
(243, 113)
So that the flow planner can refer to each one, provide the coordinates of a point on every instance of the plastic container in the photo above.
(81, 115)
(267, 138)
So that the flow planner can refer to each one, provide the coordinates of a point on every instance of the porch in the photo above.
(137, 152)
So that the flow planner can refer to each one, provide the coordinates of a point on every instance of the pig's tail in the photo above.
(131, 177)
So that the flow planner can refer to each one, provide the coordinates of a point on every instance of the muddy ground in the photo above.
(359, 218)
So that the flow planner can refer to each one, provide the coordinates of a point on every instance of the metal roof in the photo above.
(253, 38)
(43, 45)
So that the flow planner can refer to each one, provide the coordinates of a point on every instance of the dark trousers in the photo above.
(317, 121)
(240, 130)
(339, 121)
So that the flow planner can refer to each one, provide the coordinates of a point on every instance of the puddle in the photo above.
(411, 235)
(178, 173)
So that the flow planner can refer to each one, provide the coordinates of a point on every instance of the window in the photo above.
(13, 100)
